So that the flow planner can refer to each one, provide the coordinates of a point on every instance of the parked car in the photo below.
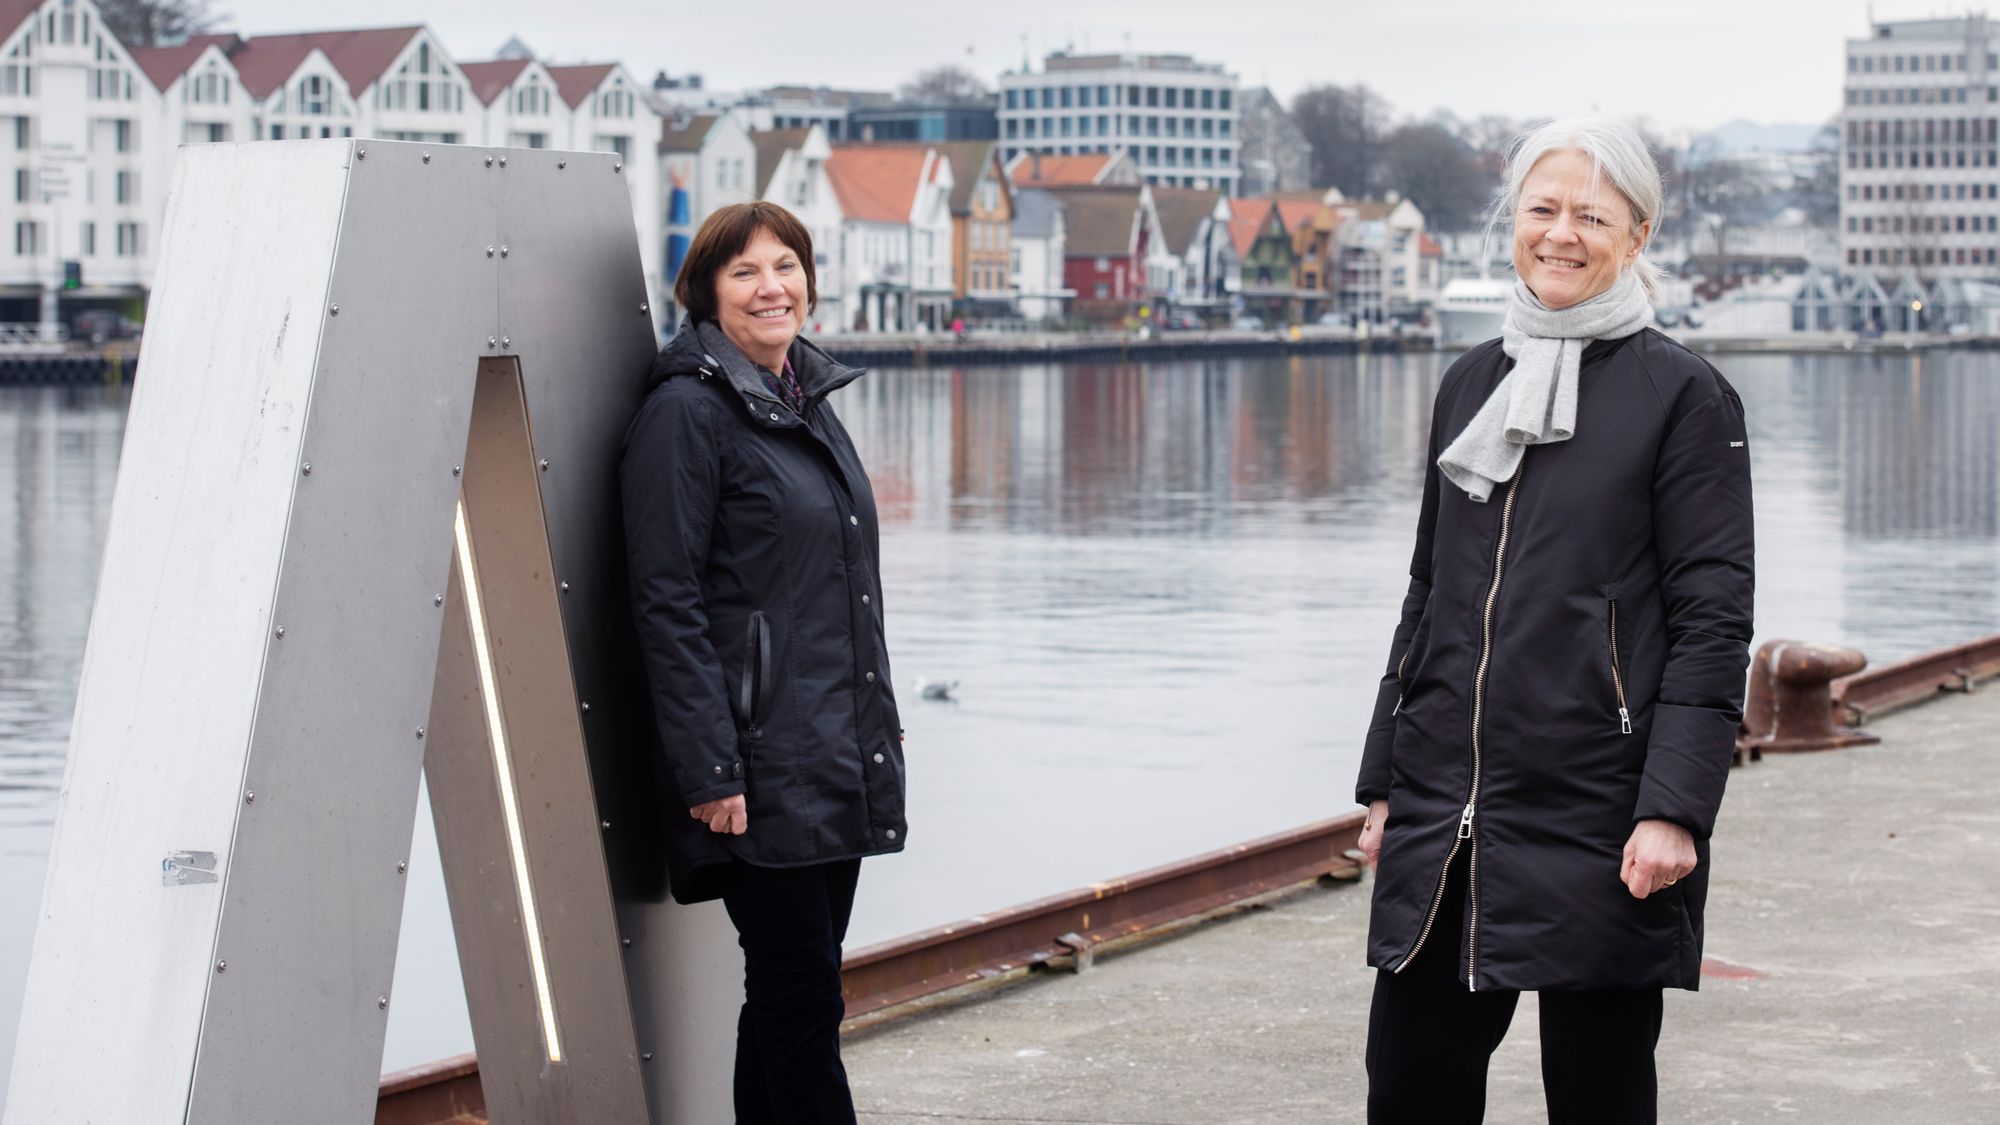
(1335, 320)
(1248, 324)
(1184, 321)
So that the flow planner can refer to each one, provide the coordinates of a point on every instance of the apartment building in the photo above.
(1176, 117)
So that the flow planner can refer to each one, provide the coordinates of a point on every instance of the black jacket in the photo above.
(752, 549)
(1613, 576)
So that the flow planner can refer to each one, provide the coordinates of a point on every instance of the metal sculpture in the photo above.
(366, 524)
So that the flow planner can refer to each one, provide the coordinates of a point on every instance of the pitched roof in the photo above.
(1099, 220)
(877, 183)
(490, 79)
(165, 64)
(1035, 213)
(14, 13)
(771, 146)
(1429, 247)
(969, 161)
(1248, 222)
(1053, 170)
(575, 83)
(264, 62)
(1181, 211)
(686, 134)
(1368, 210)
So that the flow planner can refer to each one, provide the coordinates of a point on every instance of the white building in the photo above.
(84, 138)
(895, 202)
(1919, 158)
(1039, 245)
(791, 172)
(95, 128)
(1176, 117)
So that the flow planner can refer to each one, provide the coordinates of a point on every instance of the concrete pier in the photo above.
(1853, 932)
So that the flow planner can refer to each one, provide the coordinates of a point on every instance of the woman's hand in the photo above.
(1371, 832)
(1659, 854)
(726, 814)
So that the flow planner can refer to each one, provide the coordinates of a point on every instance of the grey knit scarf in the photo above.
(1536, 403)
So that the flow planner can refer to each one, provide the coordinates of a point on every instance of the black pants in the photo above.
(1429, 1040)
(790, 922)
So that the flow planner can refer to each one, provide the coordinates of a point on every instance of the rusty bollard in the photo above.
(1790, 707)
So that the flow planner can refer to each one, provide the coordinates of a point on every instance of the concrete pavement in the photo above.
(1857, 891)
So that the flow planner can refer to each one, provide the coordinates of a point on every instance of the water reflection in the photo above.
(1166, 592)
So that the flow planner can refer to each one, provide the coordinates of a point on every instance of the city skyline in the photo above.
(1570, 57)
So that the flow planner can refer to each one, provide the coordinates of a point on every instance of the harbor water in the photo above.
(1165, 594)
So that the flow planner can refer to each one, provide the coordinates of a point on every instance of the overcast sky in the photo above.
(1680, 63)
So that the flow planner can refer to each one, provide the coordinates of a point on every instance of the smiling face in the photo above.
(760, 299)
(1573, 230)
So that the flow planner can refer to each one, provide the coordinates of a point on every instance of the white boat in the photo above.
(1470, 310)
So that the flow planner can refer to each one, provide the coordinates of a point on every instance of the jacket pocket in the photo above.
(754, 688)
(1617, 668)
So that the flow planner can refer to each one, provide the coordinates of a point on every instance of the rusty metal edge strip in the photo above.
(443, 1091)
(1876, 691)
(946, 957)
(987, 945)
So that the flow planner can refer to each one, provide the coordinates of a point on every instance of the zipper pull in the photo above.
(1465, 822)
(1625, 720)
(1399, 706)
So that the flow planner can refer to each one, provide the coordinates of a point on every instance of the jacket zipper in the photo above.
(1402, 692)
(1617, 678)
(1465, 833)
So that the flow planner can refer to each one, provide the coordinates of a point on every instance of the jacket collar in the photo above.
(704, 350)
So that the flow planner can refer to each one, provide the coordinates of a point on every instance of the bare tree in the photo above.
(1347, 126)
(154, 23)
(947, 83)
(1440, 173)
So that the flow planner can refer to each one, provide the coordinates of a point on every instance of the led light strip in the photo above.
(503, 770)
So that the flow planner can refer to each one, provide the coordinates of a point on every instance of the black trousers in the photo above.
(1430, 1038)
(790, 922)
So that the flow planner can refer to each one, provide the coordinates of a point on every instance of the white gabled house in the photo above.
(791, 172)
(895, 202)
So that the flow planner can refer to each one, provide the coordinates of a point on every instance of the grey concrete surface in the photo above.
(1861, 886)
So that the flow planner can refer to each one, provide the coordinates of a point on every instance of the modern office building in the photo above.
(1176, 117)
(1919, 157)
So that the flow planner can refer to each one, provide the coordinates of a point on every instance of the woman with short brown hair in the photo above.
(753, 554)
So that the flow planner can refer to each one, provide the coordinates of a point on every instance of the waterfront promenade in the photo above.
(1854, 939)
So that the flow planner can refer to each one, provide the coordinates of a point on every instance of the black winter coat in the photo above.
(752, 546)
(1570, 661)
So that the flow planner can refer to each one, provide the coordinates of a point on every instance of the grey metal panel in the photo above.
(313, 897)
(551, 1012)
(685, 969)
(112, 1009)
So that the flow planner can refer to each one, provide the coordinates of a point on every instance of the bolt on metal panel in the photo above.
(255, 936)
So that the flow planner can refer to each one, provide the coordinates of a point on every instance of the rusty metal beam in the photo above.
(445, 1092)
(1877, 691)
(1071, 923)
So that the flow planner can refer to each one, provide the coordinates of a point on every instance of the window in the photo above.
(88, 240)
(21, 133)
(121, 135)
(1152, 95)
(1013, 99)
(22, 184)
(1173, 97)
(27, 238)
(128, 240)
(1066, 97)
(1222, 102)
(128, 186)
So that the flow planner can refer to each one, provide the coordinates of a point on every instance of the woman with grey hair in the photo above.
(1558, 714)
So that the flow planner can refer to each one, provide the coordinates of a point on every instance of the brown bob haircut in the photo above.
(725, 235)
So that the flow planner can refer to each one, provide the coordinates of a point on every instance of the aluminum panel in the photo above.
(178, 637)
(314, 898)
(685, 968)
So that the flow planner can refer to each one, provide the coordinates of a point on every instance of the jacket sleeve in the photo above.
(669, 481)
(1376, 752)
(1703, 533)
